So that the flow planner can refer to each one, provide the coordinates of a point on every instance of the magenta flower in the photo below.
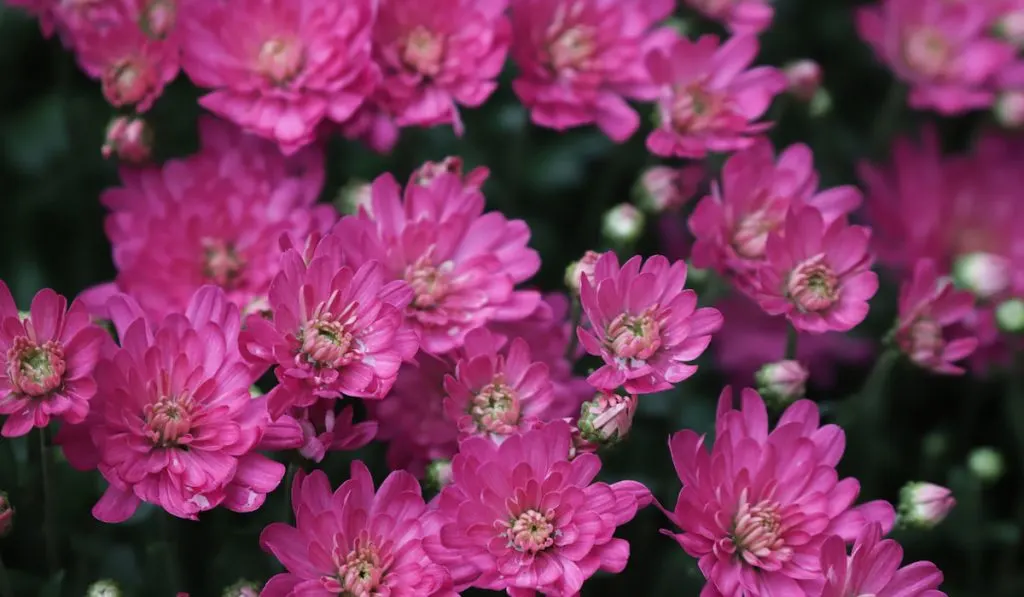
(874, 569)
(334, 330)
(580, 61)
(643, 323)
(436, 55)
(708, 99)
(176, 424)
(818, 276)
(522, 517)
(355, 541)
(279, 68)
(757, 508)
(48, 361)
(740, 16)
(462, 264)
(928, 306)
(941, 49)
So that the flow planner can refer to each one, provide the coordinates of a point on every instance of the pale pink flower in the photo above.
(819, 276)
(756, 508)
(177, 426)
(644, 323)
(928, 308)
(709, 97)
(522, 517)
(874, 569)
(941, 49)
(437, 55)
(580, 60)
(48, 361)
(804, 78)
(740, 16)
(333, 330)
(578, 269)
(355, 540)
(280, 68)
(664, 189)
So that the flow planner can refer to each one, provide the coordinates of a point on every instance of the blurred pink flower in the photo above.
(874, 569)
(279, 68)
(355, 541)
(522, 517)
(740, 16)
(48, 361)
(644, 323)
(372, 125)
(928, 307)
(709, 97)
(579, 61)
(756, 508)
(819, 276)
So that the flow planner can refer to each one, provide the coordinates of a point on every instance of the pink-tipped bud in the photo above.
(158, 18)
(129, 138)
(429, 171)
(623, 224)
(242, 588)
(803, 78)
(607, 418)
(1010, 27)
(577, 269)
(782, 383)
(439, 473)
(984, 274)
(6, 515)
(924, 505)
(1010, 316)
(660, 189)
(1009, 109)
(355, 194)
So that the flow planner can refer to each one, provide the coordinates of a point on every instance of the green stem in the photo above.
(49, 530)
(5, 581)
(169, 534)
(888, 117)
(869, 413)
(1015, 412)
(792, 339)
(574, 340)
(872, 395)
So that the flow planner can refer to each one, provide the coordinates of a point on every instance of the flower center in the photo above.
(361, 571)
(169, 420)
(757, 533)
(635, 336)
(531, 531)
(813, 286)
(328, 342)
(495, 408)
(572, 49)
(158, 18)
(222, 264)
(694, 109)
(424, 51)
(927, 52)
(429, 283)
(127, 82)
(35, 370)
(280, 60)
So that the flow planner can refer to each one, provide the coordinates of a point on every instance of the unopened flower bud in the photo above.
(429, 171)
(803, 78)
(986, 464)
(577, 269)
(103, 588)
(984, 274)
(242, 588)
(821, 103)
(782, 383)
(1009, 109)
(681, 26)
(924, 505)
(659, 189)
(6, 515)
(607, 418)
(158, 18)
(354, 195)
(255, 391)
(623, 224)
(23, 315)
(129, 138)
(1011, 27)
(1010, 316)
(439, 473)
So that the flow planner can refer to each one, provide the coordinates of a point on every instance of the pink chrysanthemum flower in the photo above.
(740, 16)
(756, 508)
(47, 361)
(732, 224)
(643, 323)
(177, 426)
(709, 98)
(355, 540)
(436, 55)
(928, 306)
(580, 61)
(818, 276)
(941, 49)
(281, 67)
(874, 569)
(333, 330)
(326, 430)
(462, 264)
(522, 517)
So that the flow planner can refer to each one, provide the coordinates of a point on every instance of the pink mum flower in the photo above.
(874, 569)
(355, 541)
(333, 330)
(177, 426)
(436, 55)
(941, 49)
(281, 67)
(756, 508)
(708, 99)
(740, 16)
(732, 224)
(522, 517)
(643, 323)
(48, 361)
(580, 61)
(818, 276)
(928, 306)
(462, 264)
(326, 430)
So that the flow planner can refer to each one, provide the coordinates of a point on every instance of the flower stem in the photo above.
(792, 339)
(872, 413)
(576, 316)
(1015, 412)
(5, 581)
(46, 471)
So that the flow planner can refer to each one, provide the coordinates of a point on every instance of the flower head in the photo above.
(756, 508)
(355, 540)
(928, 308)
(874, 568)
(607, 418)
(925, 504)
(47, 361)
(522, 516)
(643, 323)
